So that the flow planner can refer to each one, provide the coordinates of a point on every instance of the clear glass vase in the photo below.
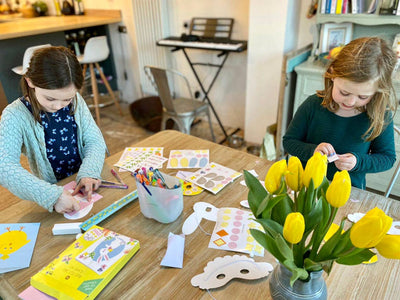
(280, 289)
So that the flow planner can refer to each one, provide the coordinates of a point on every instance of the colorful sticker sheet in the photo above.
(17, 242)
(137, 151)
(188, 159)
(214, 177)
(232, 232)
(144, 160)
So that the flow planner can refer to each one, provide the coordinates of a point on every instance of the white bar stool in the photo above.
(96, 50)
(20, 70)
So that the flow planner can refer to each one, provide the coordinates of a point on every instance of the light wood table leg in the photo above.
(95, 94)
(103, 77)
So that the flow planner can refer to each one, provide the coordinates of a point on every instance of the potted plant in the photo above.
(294, 229)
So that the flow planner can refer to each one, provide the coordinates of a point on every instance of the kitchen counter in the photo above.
(39, 25)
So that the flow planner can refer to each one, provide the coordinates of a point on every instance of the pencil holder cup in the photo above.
(161, 204)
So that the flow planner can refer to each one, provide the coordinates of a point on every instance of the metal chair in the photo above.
(182, 111)
(20, 70)
(96, 50)
(396, 172)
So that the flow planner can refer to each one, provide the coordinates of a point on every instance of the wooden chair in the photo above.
(396, 172)
(182, 111)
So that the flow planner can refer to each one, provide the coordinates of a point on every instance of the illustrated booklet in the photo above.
(87, 265)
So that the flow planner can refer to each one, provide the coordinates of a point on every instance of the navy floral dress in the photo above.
(60, 133)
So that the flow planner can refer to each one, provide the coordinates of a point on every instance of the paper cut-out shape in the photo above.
(174, 256)
(84, 205)
(214, 177)
(201, 210)
(221, 270)
(333, 157)
(245, 203)
(372, 260)
(189, 188)
(17, 242)
(394, 230)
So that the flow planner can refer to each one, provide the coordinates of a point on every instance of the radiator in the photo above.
(151, 23)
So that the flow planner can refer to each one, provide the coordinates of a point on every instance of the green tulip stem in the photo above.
(322, 234)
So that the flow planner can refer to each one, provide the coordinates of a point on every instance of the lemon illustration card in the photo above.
(17, 242)
(87, 265)
(188, 159)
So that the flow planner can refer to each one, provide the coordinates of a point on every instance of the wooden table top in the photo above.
(144, 278)
(32, 26)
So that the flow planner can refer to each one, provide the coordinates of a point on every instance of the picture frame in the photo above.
(333, 35)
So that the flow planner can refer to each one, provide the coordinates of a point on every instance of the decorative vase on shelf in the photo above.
(280, 289)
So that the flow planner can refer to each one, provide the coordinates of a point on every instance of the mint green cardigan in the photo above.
(19, 132)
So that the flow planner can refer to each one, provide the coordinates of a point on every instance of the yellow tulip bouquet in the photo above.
(294, 229)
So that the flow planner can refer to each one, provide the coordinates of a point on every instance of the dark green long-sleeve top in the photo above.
(314, 124)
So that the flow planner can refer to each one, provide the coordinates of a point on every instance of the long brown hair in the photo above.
(51, 68)
(362, 60)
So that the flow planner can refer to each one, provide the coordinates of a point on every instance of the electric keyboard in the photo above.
(208, 44)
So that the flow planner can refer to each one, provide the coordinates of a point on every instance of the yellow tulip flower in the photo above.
(294, 174)
(389, 247)
(371, 229)
(339, 190)
(274, 175)
(294, 227)
(315, 169)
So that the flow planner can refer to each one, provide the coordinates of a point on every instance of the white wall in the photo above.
(266, 41)
(246, 92)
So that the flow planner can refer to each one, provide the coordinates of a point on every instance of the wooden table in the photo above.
(32, 26)
(144, 278)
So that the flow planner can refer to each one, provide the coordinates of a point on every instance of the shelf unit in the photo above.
(386, 26)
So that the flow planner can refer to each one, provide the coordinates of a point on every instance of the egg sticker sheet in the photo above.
(213, 177)
(232, 232)
(188, 159)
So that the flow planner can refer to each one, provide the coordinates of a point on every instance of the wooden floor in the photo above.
(122, 131)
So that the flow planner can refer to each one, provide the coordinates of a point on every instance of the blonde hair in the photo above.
(51, 68)
(365, 59)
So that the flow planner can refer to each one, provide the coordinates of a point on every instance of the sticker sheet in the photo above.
(145, 159)
(214, 177)
(179, 159)
(232, 232)
(84, 205)
(137, 151)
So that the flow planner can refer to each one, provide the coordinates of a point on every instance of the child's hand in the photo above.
(66, 203)
(325, 148)
(89, 185)
(346, 162)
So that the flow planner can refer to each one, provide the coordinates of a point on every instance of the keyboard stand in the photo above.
(206, 92)
(225, 54)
